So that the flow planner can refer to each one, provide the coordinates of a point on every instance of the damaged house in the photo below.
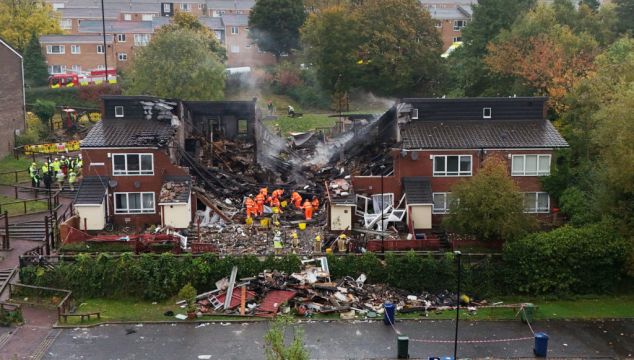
(130, 176)
(438, 142)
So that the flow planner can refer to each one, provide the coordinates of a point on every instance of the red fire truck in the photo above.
(91, 78)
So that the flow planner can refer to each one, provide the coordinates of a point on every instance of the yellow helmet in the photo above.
(318, 238)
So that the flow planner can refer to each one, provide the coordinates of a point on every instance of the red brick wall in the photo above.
(248, 56)
(162, 167)
(11, 99)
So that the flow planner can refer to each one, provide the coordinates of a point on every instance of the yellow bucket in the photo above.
(249, 220)
(283, 203)
(302, 226)
(328, 251)
(264, 222)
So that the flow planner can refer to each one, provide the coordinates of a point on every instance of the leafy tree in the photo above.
(20, 19)
(274, 25)
(184, 20)
(276, 349)
(35, 71)
(592, 4)
(489, 206)
(548, 56)
(177, 64)
(624, 11)
(471, 76)
(44, 110)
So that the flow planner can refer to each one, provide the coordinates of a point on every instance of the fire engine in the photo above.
(94, 77)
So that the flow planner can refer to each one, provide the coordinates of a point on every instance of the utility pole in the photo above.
(455, 342)
(105, 47)
(381, 215)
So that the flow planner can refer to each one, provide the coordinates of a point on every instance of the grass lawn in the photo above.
(590, 308)
(18, 209)
(9, 163)
(307, 122)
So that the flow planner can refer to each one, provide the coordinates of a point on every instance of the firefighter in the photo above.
(308, 210)
(72, 179)
(250, 206)
(259, 202)
(33, 173)
(277, 193)
(296, 198)
(317, 247)
(264, 191)
(277, 243)
(342, 240)
(315, 203)
(295, 242)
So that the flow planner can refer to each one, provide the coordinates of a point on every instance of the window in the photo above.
(132, 164)
(486, 113)
(120, 37)
(147, 17)
(459, 24)
(234, 30)
(57, 69)
(235, 49)
(218, 35)
(75, 49)
(530, 165)
(122, 56)
(57, 6)
(55, 49)
(452, 165)
(200, 6)
(141, 39)
(100, 49)
(185, 7)
(101, 67)
(442, 202)
(66, 24)
(415, 114)
(438, 24)
(75, 68)
(127, 17)
(167, 8)
(118, 111)
(457, 39)
(134, 203)
(536, 202)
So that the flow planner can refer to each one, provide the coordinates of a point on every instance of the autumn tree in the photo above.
(489, 205)
(35, 70)
(624, 11)
(274, 25)
(161, 69)
(548, 56)
(187, 21)
(20, 19)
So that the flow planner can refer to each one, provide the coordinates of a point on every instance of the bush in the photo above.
(91, 94)
(567, 260)
(62, 96)
(35, 133)
(44, 110)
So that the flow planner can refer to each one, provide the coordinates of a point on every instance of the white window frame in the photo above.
(127, 172)
(536, 209)
(446, 203)
(100, 49)
(101, 67)
(141, 39)
(121, 38)
(141, 210)
(459, 24)
(61, 49)
(414, 114)
(200, 6)
(235, 49)
(147, 17)
(524, 172)
(118, 113)
(122, 56)
(445, 172)
(66, 24)
(75, 68)
(62, 69)
(127, 17)
(166, 7)
(235, 30)
(438, 24)
(486, 113)
(457, 39)
(185, 7)
(75, 49)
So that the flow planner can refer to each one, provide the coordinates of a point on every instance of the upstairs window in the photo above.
(75, 49)
(55, 49)
(167, 7)
(530, 165)
(486, 113)
(132, 164)
(66, 24)
(185, 7)
(147, 17)
(459, 24)
(536, 202)
(234, 30)
(438, 24)
(118, 111)
(120, 37)
(99, 49)
(141, 39)
(127, 17)
(452, 165)
(122, 56)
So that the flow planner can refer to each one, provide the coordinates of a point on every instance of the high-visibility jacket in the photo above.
(32, 170)
(44, 168)
(56, 165)
(277, 193)
(72, 177)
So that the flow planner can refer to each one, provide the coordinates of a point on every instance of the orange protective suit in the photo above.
(259, 201)
(297, 200)
(308, 209)
(315, 204)
(250, 205)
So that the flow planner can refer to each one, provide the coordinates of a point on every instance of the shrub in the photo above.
(92, 93)
(44, 110)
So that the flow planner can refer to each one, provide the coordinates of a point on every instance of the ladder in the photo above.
(215, 302)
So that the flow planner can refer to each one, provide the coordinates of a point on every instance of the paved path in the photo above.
(343, 340)
(30, 340)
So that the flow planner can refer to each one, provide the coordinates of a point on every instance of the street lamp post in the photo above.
(455, 342)
(105, 46)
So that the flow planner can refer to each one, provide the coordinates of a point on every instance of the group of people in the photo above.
(57, 171)
(254, 206)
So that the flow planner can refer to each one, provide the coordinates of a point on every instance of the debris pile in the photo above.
(312, 291)
(173, 191)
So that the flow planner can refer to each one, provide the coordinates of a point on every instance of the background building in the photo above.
(12, 100)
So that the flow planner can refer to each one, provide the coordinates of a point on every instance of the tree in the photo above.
(187, 21)
(274, 25)
(177, 64)
(20, 19)
(44, 110)
(624, 11)
(471, 76)
(548, 56)
(275, 346)
(488, 206)
(35, 71)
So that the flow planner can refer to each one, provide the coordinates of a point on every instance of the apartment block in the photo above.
(76, 53)
(241, 50)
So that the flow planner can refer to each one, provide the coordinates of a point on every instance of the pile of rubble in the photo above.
(312, 291)
(172, 190)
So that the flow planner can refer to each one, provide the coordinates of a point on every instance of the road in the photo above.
(343, 340)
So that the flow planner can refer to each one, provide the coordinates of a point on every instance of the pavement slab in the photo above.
(345, 340)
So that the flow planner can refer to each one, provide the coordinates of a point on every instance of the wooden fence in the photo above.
(63, 306)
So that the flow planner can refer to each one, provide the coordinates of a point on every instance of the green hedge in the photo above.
(63, 96)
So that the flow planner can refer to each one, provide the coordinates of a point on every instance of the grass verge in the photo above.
(10, 163)
(18, 208)
(307, 122)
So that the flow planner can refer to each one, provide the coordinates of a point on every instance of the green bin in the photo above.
(528, 312)
(403, 344)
